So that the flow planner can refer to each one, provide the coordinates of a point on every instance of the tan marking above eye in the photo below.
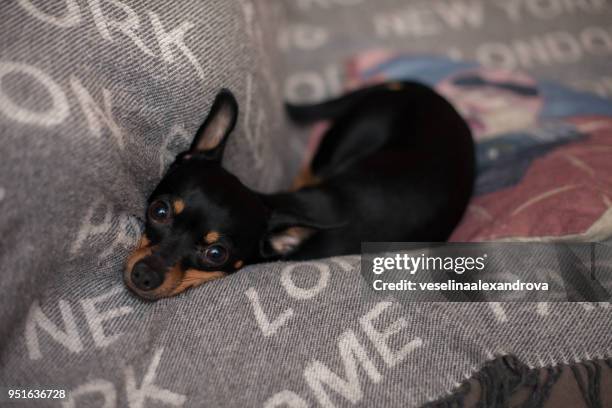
(211, 237)
(178, 205)
(238, 264)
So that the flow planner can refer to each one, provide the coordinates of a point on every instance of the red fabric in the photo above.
(563, 193)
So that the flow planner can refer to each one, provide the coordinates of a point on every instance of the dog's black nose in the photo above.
(145, 278)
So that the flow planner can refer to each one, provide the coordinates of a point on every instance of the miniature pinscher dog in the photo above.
(396, 164)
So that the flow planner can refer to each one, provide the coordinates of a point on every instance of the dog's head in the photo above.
(202, 223)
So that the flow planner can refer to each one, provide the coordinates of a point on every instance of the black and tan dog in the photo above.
(397, 164)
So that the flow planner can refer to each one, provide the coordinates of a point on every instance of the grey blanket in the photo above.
(96, 98)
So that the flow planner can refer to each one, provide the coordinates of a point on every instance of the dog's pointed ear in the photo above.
(287, 232)
(285, 241)
(212, 136)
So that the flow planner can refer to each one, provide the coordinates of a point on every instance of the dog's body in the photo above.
(397, 164)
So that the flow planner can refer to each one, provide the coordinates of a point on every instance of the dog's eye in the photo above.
(160, 211)
(216, 255)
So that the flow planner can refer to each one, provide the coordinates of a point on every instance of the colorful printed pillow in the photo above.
(544, 151)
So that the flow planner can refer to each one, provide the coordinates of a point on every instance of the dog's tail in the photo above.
(331, 109)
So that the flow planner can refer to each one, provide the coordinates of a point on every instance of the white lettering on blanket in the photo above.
(95, 318)
(546, 49)
(268, 328)
(299, 293)
(100, 387)
(53, 115)
(129, 26)
(121, 232)
(516, 10)
(70, 337)
(59, 110)
(136, 395)
(303, 37)
(71, 18)
(433, 18)
(354, 355)
(175, 38)
(422, 21)
(94, 114)
(313, 86)
(317, 374)
(380, 339)
(148, 390)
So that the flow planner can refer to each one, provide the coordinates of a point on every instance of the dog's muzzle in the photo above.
(150, 278)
